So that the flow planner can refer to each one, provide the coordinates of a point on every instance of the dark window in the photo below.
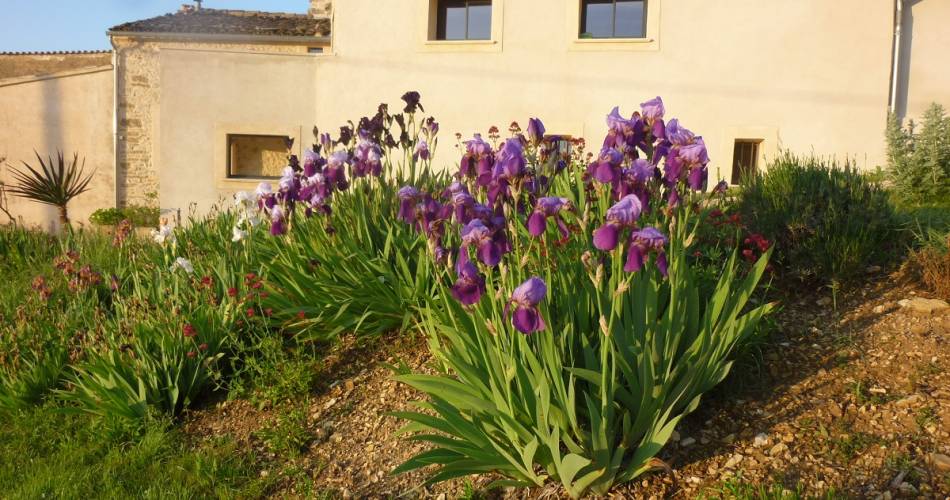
(745, 159)
(561, 144)
(463, 20)
(613, 18)
(256, 156)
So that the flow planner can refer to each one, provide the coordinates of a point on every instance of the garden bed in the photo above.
(851, 402)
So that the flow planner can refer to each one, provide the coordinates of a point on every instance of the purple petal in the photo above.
(489, 253)
(527, 320)
(605, 237)
(537, 223)
(634, 259)
(662, 264)
(605, 173)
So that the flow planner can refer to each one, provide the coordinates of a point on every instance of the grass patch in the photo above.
(51, 454)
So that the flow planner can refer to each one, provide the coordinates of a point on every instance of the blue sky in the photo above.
(41, 25)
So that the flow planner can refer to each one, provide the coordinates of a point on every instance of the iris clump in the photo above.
(571, 327)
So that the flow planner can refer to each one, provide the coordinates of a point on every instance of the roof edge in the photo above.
(17, 80)
(56, 52)
(221, 37)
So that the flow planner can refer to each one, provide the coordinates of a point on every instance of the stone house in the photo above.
(196, 104)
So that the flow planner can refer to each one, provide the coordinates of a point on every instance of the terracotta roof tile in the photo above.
(230, 22)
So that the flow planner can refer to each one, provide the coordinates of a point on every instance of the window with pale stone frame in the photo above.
(256, 156)
(745, 159)
(613, 19)
(463, 20)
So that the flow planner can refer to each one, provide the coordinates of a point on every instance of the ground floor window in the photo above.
(256, 156)
(745, 159)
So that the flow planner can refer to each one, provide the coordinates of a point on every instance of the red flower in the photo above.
(268, 312)
(207, 281)
(301, 315)
(232, 292)
(250, 312)
(203, 347)
(189, 331)
(191, 354)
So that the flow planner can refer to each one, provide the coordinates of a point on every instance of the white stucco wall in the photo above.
(71, 112)
(207, 94)
(807, 75)
(925, 71)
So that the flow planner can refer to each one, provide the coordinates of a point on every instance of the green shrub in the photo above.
(919, 162)
(828, 221)
(363, 275)
(139, 216)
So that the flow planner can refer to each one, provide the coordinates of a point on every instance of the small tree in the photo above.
(919, 162)
(54, 183)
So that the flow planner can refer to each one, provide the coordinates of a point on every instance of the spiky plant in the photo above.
(53, 183)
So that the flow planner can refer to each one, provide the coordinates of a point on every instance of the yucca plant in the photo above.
(570, 353)
(55, 182)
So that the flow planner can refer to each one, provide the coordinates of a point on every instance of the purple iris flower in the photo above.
(642, 171)
(673, 199)
(673, 170)
(697, 178)
(642, 243)
(326, 143)
(453, 189)
(694, 153)
(607, 168)
(545, 208)
(488, 245)
(463, 203)
(412, 102)
(523, 306)
(510, 161)
(421, 151)
(623, 214)
(277, 221)
(430, 128)
(311, 162)
(619, 123)
(677, 135)
(535, 132)
(408, 198)
(470, 285)
(653, 110)
(289, 184)
(478, 160)
(367, 159)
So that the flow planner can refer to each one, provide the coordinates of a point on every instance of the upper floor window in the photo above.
(463, 20)
(613, 19)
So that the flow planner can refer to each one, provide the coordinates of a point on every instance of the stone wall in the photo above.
(139, 98)
(321, 8)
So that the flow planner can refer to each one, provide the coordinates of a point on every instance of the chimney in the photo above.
(321, 9)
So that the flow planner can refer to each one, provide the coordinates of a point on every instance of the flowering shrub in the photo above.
(571, 330)
(338, 261)
(828, 221)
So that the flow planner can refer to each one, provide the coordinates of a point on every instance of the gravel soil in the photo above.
(850, 397)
